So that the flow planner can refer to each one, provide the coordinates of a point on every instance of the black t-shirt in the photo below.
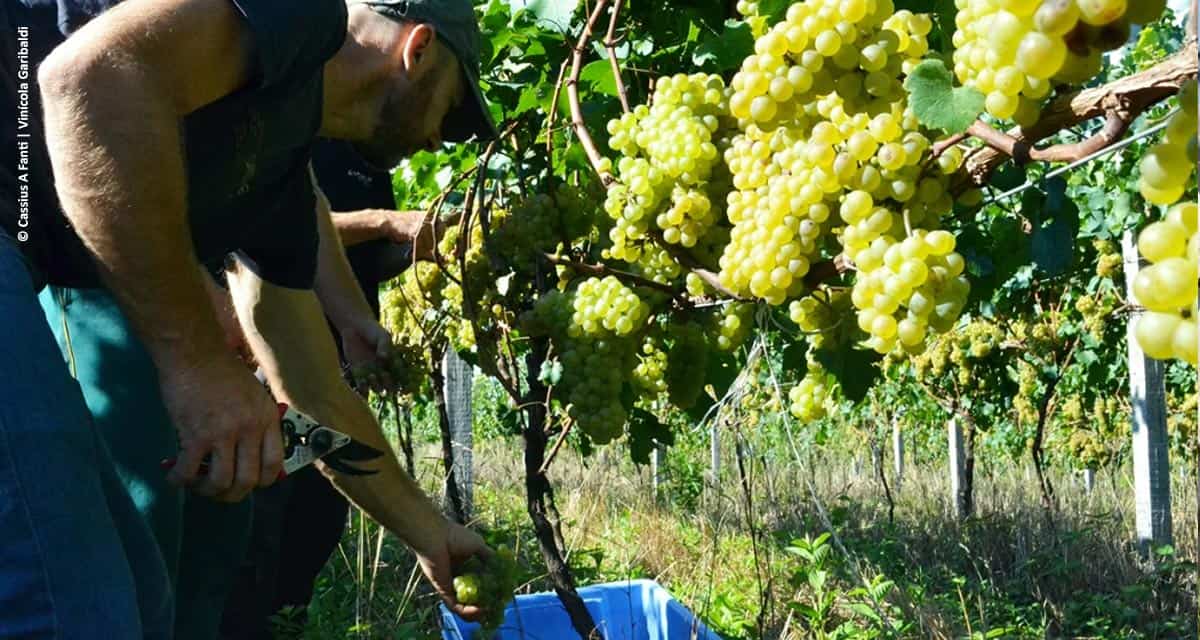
(351, 185)
(246, 154)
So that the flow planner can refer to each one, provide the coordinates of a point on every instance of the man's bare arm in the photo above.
(114, 95)
(287, 333)
(336, 286)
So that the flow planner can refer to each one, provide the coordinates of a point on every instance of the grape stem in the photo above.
(562, 72)
(558, 443)
(609, 46)
(687, 261)
(941, 146)
(1127, 97)
(581, 130)
(605, 270)
(1115, 125)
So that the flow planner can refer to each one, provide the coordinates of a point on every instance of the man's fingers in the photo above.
(249, 464)
(219, 478)
(272, 458)
(187, 466)
(470, 613)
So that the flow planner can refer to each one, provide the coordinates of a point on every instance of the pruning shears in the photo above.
(305, 441)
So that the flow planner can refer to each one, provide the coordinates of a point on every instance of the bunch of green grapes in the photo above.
(1024, 403)
(489, 584)
(1181, 425)
(1015, 51)
(1167, 287)
(1108, 259)
(906, 289)
(1167, 167)
(669, 155)
(592, 327)
(869, 174)
(811, 397)
(650, 373)
(825, 315)
(605, 306)
(542, 224)
(687, 360)
(1096, 436)
(733, 325)
(856, 48)
(968, 354)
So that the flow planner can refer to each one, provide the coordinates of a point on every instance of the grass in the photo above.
(1011, 571)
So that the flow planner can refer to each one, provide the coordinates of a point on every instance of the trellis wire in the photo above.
(1029, 184)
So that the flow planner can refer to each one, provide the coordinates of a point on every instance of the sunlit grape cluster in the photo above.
(856, 48)
(669, 154)
(1014, 51)
(801, 180)
(909, 288)
(1095, 436)
(489, 584)
(605, 306)
(1167, 287)
(958, 356)
(811, 397)
(733, 325)
(595, 364)
(649, 374)
(1167, 168)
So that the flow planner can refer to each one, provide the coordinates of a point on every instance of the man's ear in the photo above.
(417, 50)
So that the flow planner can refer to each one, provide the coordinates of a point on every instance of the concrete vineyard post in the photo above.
(958, 464)
(1151, 466)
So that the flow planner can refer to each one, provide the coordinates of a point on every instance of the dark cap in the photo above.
(456, 26)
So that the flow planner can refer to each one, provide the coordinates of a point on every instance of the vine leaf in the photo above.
(551, 372)
(725, 50)
(854, 369)
(553, 14)
(795, 359)
(937, 103)
(598, 76)
(1055, 220)
(645, 432)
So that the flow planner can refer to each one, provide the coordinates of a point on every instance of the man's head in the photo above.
(428, 91)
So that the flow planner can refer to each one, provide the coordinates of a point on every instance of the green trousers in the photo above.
(202, 541)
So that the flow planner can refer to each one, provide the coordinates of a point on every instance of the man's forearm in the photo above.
(390, 496)
(338, 290)
(117, 157)
(287, 333)
(357, 227)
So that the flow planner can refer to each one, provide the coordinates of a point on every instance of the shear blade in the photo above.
(356, 451)
(347, 469)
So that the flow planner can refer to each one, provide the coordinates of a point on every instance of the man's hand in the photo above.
(400, 227)
(223, 413)
(368, 345)
(448, 547)
(424, 232)
(235, 338)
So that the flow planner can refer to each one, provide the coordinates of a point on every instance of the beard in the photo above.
(398, 134)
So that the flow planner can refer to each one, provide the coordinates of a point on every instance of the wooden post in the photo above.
(898, 452)
(1151, 466)
(958, 463)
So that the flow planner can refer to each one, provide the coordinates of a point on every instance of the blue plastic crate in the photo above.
(629, 610)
